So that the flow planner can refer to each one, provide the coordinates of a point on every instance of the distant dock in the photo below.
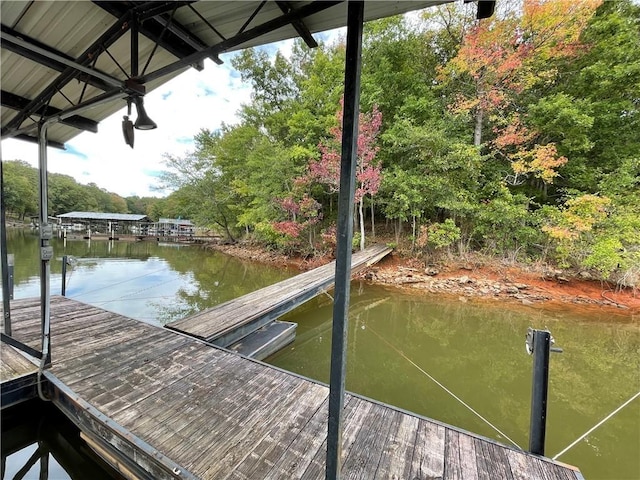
(252, 314)
(157, 404)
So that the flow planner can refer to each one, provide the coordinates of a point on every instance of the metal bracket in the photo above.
(46, 231)
(528, 343)
(46, 253)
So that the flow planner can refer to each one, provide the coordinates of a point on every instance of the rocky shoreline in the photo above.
(467, 282)
(466, 287)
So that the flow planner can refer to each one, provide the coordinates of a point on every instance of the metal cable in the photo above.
(445, 389)
(597, 425)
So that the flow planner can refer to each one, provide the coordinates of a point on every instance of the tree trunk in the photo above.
(398, 231)
(413, 227)
(360, 209)
(477, 131)
(373, 221)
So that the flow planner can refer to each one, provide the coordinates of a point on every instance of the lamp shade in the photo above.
(143, 122)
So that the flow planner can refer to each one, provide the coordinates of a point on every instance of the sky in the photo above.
(181, 108)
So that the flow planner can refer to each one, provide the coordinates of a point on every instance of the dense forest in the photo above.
(514, 136)
(67, 195)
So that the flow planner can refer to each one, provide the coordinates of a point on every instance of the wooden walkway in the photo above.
(17, 376)
(165, 405)
(228, 322)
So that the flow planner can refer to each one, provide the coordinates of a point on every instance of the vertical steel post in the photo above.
(6, 287)
(355, 15)
(63, 290)
(539, 390)
(46, 251)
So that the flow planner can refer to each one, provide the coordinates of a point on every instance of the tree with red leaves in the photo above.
(326, 170)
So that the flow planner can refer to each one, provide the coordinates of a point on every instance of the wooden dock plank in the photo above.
(140, 407)
(428, 459)
(255, 430)
(214, 414)
(240, 413)
(400, 446)
(279, 438)
(226, 412)
(364, 455)
(269, 302)
(357, 411)
(13, 364)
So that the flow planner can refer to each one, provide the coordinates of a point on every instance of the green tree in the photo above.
(20, 188)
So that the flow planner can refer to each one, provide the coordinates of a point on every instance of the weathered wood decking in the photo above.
(17, 376)
(178, 408)
(232, 320)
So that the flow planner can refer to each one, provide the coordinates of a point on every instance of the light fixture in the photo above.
(127, 126)
(143, 122)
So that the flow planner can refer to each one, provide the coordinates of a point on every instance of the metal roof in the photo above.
(176, 221)
(128, 217)
(58, 57)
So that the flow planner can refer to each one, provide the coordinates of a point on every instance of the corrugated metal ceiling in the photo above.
(97, 35)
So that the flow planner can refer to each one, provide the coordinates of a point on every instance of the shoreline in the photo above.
(467, 281)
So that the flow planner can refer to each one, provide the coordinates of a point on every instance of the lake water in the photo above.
(399, 344)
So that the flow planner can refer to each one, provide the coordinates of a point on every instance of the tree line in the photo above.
(66, 195)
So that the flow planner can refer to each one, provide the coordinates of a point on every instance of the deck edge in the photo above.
(98, 425)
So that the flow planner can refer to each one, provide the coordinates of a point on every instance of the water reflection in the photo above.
(156, 283)
(39, 442)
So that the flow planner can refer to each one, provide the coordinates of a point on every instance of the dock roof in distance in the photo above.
(176, 221)
(127, 217)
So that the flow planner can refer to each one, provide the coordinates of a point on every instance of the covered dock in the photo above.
(103, 223)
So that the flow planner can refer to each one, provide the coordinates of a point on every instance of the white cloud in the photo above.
(181, 107)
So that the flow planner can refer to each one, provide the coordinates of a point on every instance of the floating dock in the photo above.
(246, 323)
(17, 376)
(158, 404)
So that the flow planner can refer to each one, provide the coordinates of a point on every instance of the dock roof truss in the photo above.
(60, 56)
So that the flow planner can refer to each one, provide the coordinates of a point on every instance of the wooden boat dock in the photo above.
(17, 376)
(159, 404)
(229, 322)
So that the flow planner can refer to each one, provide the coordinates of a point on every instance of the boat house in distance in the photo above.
(172, 227)
(102, 223)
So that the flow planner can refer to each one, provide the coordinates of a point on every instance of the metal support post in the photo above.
(539, 343)
(46, 251)
(7, 290)
(63, 289)
(346, 197)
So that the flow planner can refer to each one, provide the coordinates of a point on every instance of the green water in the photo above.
(396, 340)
